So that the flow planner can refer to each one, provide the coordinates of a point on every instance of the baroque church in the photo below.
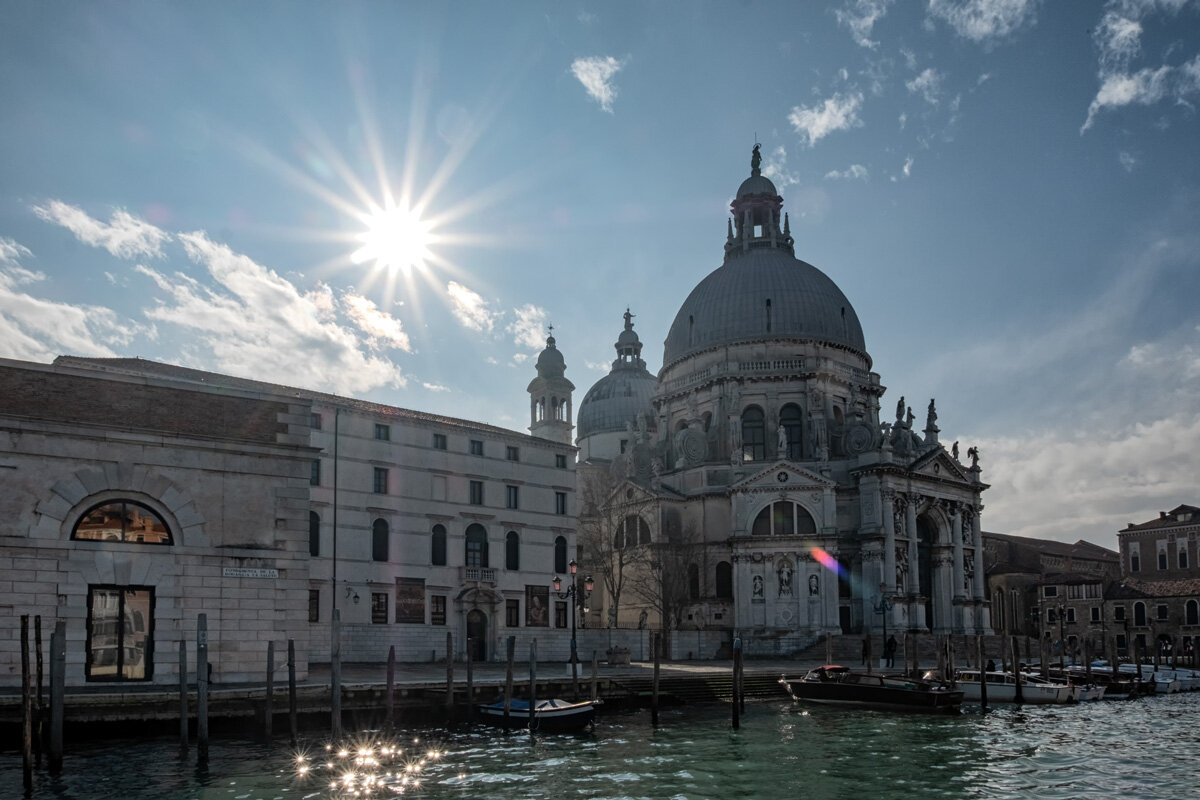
(751, 487)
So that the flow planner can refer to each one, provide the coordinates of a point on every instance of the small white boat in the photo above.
(1002, 688)
(548, 715)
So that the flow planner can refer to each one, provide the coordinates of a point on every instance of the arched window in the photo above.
(754, 435)
(632, 532)
(783, 518)
(122, 521)
(512, 551)
(793, 428)
(560, 555)
(437, 546)
(379, 540)
(477, 546)
(314, 534)
(724, 580)
(693, 582)
(1191, 613)
(1139, 614)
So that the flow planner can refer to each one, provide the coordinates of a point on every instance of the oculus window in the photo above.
(122, 521)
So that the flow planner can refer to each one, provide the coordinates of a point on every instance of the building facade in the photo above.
(793, 509)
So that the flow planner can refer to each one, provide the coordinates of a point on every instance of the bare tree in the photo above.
(660, 574)
(605, 549)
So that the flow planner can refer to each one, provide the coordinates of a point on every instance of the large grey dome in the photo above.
(763, 294)
(617, 398)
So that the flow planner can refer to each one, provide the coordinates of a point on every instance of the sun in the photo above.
(396, 238)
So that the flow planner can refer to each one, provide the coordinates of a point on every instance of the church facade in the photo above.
(752, 487)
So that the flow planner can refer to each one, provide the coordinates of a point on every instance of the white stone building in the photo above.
(761, 447)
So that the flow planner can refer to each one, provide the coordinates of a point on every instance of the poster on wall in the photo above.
(537, 606)
(410, 600)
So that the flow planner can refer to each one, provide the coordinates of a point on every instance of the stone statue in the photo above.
(628, 320)
(973, 454)
(931, 415)
(756, 159)
(901, 568)
(954, 451)
(908, 421)
(757, 590)
(783, 442)
(814, 587)
(785, 579)
(899, 411)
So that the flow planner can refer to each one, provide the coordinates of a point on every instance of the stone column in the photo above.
(910, 527)
(889, 540)
(956, 539)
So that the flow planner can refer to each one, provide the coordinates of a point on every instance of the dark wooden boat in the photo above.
(842, 686)
(551, 716)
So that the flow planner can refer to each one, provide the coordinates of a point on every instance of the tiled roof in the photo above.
(1080, 549)
(1184, 587)
(1168, 519)
(141, 366)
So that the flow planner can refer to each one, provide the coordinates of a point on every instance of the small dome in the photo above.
(550, 363)
(614, 400)
(757, 184)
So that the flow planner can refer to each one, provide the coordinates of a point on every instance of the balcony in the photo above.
(479, 574)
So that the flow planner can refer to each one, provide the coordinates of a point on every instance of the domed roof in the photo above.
(617, 398)
(757, 184)
(550, 363)
(731, 306)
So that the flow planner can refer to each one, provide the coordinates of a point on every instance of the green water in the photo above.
(1144, 748)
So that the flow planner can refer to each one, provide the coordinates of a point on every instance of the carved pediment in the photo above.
(784, 475)
(938, 465)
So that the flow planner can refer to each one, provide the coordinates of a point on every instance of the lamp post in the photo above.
(571, 592)
(882, 608)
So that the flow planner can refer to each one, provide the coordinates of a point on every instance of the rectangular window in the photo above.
(512, 453)
(1162, 613)
(476, 447)
(1051, 615)
(314, 421)
(1135, 563)
(1050, 591)
(1075, 591)
(476, 498)
(560, 614)
(120, 630)
(439, 441)
(315, 478)
(314, 605)
(512, 497)
(1162, 559)
(1122, 642)
(1070, 614)
(512, 613)
(379, 607)
(381, 476)
(560, 503)
(1183, 562)
(383, 432)
(1119, 613)
(437, 609)
(560, 461)
(1095, 613)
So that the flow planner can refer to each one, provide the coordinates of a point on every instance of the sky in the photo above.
(393, 201)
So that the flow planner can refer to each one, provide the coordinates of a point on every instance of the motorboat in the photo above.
(1002, 688)
(838, 685)
(552, 715)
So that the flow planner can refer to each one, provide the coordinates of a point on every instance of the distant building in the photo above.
(138, 495)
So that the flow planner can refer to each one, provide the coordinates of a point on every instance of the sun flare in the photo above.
(396, 238)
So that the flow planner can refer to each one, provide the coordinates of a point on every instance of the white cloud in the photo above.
(469, 308)
(1118, 39)
(257, 324)
(380, 327)
(520, 358)
(529, 327)
(125, 236)
(903, 121)
(905, 171)
(598, 366)
(776, 168)
(435, 387)
(1144, 87)
(596, 75)
(984, 20)
(836, 113)
(1128, 162)
(33, 329)
(928, 84)
(860, 17)
(855, 172)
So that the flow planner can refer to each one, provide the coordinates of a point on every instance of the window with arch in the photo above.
(724, 582)
(560, 555)
(379, 540)
(783, 518)
(314, 534)
(754, 435)
(693, 582)
(512, 550)
(791, 419)
(1191, 613)
(437, 546)
(122, 521)
(632, 531)
(476, 546)
(1139, 614)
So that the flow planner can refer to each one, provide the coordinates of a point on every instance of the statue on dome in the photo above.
(629, 320)
(931, 416)
(899, 411)
(756, 159)
(909, 419)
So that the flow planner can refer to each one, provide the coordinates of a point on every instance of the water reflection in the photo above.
(368, 766)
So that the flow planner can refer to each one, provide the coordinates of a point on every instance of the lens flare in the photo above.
(828, 562)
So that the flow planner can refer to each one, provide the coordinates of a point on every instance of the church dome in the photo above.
(762, 292)
(550, 363)
(623, 394)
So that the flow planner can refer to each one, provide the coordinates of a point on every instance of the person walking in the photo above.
(889, 650)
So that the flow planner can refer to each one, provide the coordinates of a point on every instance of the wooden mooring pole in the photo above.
(26, 709)
(390, 696)
(183, 697)
(982, 673)
(335, 673)
(1016, 660)
(202, 687)
(508, 681)
(737, 660)
(450, 676)
(39, 709)
(470, 683)
(532, 684)
(655, 638)
(595, 676)
(269, 696)
(293, 730)
(58, 682)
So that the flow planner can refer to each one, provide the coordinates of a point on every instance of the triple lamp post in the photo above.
(588, 585)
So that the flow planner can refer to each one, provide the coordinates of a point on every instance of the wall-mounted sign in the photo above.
(249, 572)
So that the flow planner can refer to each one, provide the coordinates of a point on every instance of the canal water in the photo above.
(1142, 748)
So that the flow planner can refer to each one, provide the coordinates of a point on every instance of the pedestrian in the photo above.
(889, 650)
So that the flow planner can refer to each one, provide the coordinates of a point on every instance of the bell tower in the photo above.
(550, 410)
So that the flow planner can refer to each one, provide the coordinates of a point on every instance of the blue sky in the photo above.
(1007, 191)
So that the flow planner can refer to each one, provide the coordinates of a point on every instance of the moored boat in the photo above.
(837, 685)
(548, 715)
(1002, 688)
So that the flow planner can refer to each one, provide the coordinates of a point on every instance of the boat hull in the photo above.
(550, 716)
(881, 692)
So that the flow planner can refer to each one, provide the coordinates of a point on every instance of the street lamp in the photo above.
(882, 608)
(588, 585)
